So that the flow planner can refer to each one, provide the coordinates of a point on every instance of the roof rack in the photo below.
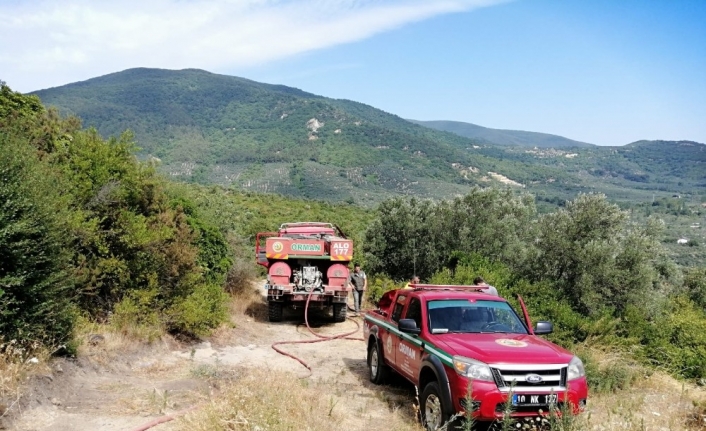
(285, 226)
(306, 223)
(419, 286)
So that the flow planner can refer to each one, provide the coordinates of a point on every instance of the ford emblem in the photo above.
(533, 378)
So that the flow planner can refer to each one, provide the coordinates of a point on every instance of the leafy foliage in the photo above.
(676, 341)
(418, 237)
(34, 290)
(82, 215)
(695, 285)
(595, 257)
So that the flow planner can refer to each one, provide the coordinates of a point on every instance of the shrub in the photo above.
(418, 236)
(598, 260)
(378, 285)
(35, 295)
(243, 271)
(695, 285)
(84, 224)
(614, 372)
(134, 316)
(676, 340)
(200, 312)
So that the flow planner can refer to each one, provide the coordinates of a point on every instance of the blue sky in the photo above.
(604, 72)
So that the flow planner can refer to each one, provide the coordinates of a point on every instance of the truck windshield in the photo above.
(459, 315)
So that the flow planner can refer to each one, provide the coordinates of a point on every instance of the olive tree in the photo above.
(597, 258)
(417, 236)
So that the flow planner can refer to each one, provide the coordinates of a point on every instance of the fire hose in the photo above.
(320, 338)
(163, 419)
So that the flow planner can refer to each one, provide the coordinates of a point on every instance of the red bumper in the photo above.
(490, 402)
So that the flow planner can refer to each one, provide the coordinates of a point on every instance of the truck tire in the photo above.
(274, 311)
(376, 364)
(432, 408)
(339, 313)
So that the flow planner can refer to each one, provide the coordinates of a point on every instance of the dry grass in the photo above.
(102, 343)
(155, 402)
(270, 400)
(250, 302)
(245, 307)
(17, 364)
(655, 402)
(267, 400)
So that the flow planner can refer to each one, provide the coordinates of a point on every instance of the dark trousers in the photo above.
(357, 297)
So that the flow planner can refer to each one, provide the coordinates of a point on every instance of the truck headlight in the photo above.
(472, 369)
(576, 369)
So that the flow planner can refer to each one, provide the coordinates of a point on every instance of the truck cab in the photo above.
(457, 343)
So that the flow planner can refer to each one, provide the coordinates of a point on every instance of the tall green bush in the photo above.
(35, 294)
(695, 285)
(85, 223)
(676, 340)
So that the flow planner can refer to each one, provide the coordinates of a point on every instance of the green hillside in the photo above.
(208, 128)
(503, 137)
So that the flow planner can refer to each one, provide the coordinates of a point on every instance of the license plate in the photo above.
(534, 400)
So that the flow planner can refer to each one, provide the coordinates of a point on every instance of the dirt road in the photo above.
(112, 391)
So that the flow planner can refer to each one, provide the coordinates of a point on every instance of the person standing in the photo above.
(478, 281)
(359, 283)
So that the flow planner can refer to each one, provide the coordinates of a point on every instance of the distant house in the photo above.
(682, 241)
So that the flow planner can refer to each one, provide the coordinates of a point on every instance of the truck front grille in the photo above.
(530, 378)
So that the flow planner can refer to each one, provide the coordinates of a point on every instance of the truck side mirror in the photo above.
(408, 326)
(543, 328)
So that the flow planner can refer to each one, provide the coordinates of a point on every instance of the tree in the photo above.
(413, 236)
(597, 259)
(493, 223)
(401, 241)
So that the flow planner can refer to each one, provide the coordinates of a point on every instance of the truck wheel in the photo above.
(274, 311)
(378, 368)
(339, 313)
(432, 407)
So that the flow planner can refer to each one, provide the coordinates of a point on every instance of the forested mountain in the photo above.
(502, 137)
(209, 128)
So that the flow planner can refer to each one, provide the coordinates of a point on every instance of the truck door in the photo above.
(409, 350)
(392, 343)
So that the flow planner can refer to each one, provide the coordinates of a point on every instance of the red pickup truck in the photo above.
(445, 338)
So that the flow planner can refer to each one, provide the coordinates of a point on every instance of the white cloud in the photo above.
(51, 42)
